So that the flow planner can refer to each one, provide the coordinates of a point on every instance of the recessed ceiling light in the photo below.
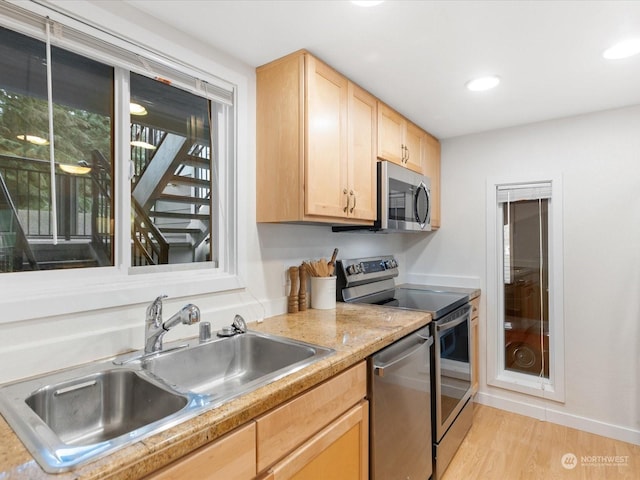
(80, 169)
(367, 3)
(33, 139)
(624, 49)
(145, 145)
(137, 109)
(483, 83)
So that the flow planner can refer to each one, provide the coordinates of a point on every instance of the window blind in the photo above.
(523, 191)
(119, 52)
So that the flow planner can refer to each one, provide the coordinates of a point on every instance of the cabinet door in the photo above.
(338, 451)
(390, 134)
(280, 140)
(432, 170)
(232, 457)
(362, 154)
(475, 304)
(414, 141)
(325, 177)
(285, 428)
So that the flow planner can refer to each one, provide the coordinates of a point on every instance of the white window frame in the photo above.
(29, 295)
(552, 388)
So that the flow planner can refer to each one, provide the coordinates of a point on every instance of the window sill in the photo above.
(534, 386)
(66, 292)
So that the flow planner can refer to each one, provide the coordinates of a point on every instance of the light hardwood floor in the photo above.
(506, 446)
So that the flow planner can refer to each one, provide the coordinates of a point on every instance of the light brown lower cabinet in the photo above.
(338, 451)
(322, 433)
(232, 457)
(285, 428)
(475, 316)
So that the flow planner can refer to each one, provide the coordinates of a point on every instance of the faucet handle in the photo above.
(154, 310)
(239, 325)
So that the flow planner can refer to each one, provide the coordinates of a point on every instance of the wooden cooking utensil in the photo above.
(293, 293)
(302, 293)
(332, 263)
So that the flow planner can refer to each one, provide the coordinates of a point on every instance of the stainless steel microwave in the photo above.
(404, 201)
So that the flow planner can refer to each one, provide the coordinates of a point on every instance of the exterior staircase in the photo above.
(172, 202)
(24, 246)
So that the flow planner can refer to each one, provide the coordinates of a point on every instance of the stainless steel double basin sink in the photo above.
(69, 417)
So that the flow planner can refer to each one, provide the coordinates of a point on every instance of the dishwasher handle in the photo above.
(378, 368)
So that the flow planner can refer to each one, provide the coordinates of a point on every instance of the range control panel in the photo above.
(366, 270)
(371, 266)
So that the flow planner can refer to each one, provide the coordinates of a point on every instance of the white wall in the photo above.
(598, 156)
(39, 344)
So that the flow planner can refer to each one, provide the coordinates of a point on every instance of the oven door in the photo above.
(404, 199)
(452, 367)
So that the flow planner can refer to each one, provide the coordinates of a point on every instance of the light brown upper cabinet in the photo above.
(431, 162)
(404, 143)
(316, 144)
(399, 140)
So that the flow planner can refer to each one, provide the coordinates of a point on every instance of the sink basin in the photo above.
(69, 417)
(74, 416)
(103, 406)
(228, 367)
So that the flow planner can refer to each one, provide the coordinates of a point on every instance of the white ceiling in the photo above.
(418, 55)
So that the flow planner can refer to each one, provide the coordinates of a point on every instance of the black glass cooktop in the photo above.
(436, 303)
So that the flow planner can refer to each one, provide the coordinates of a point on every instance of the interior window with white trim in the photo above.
(60, 143)
(171, 185)
(525, 249)
(525, 339)
(56, 161)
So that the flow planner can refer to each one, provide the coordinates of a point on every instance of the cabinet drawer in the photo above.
(230, 457)
(338, 451)
(288, 426)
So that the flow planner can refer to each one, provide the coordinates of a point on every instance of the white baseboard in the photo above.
(596, 427)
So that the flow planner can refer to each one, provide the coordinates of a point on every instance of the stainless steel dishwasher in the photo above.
(400, 402)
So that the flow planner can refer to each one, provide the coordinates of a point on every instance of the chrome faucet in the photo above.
(155, 328)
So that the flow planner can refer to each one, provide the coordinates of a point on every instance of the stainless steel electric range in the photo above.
(371, 280)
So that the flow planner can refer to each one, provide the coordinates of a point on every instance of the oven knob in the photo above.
(360, 268)
(388, 264)
(351, 269)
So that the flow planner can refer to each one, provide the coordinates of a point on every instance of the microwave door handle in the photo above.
(421, 222)
(428, 192)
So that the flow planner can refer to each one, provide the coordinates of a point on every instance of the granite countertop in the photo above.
(354, 331)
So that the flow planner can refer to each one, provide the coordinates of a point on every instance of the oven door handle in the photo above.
(455, 323)
(378, 368)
